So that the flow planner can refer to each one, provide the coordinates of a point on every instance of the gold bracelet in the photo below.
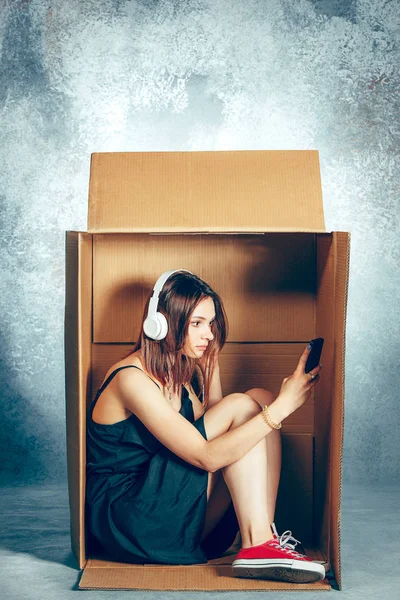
(268, 419)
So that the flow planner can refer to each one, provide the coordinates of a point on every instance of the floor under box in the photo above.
(36, 561)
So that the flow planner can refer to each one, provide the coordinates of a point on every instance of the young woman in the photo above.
(165, 464)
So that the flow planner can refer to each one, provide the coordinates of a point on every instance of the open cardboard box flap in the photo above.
(232, 191)
(212, 193)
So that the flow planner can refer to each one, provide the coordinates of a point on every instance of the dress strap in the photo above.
(113, 374)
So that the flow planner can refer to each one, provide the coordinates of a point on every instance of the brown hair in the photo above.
(165, 359)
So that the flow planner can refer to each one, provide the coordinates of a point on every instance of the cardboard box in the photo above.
(251, 224)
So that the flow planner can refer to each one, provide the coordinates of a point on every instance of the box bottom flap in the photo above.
(215, 575)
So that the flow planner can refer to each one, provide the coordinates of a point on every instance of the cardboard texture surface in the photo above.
(342, 243)
(245, 269)
(162, 191)
(325, 323)
(283, 280)
(192, 578)
(78, 334)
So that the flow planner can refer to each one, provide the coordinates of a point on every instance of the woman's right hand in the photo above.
(296, 389)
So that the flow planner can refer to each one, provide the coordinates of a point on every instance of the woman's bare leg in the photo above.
(274, 452)
(253, 480)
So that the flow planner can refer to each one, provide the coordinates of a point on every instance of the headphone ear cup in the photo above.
(163, 326)
(156, 326)
(151, 327)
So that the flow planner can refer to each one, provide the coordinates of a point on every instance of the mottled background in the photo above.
(83, 76)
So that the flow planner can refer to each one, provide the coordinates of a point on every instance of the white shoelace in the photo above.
(286, 541)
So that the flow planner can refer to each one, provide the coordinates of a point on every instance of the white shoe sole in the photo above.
(291, 571)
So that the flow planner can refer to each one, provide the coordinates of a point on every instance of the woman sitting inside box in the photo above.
(166, 466)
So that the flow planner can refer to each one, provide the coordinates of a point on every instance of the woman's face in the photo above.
(199, 332)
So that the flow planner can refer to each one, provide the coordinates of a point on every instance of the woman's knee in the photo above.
(231, 411)
(261, 396)
(246, 407)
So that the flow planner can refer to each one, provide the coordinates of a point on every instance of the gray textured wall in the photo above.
(78, 76)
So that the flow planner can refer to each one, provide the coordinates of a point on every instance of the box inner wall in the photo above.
(267, 281)
(270, 286)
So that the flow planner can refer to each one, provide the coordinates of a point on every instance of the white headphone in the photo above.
(156, 325)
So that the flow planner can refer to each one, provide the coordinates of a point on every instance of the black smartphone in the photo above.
(315, 354)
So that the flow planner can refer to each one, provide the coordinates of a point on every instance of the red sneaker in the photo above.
(277, 561)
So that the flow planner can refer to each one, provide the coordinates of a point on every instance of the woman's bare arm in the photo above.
(139, 395)
(175, 432)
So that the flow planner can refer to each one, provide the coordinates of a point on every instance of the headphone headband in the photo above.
(156, 326)
(158, 286)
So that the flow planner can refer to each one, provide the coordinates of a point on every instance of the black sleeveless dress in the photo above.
(144, 504)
